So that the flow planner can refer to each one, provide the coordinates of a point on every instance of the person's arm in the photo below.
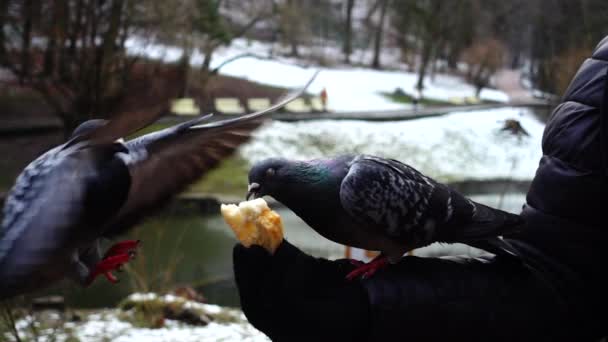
(291, 296)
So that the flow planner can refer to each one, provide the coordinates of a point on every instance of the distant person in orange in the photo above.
(324, 99)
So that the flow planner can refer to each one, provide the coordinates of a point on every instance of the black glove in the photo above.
(291, 296)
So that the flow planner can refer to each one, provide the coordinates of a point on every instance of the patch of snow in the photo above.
(348, 88)
(106, 325)
(140, 297)
(210, 309)
(110, 327)
(174, 331)
(457, 146)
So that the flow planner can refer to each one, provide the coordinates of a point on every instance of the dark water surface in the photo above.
(185, 249)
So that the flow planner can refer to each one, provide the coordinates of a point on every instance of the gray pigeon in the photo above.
(380, 204)
(97, 186)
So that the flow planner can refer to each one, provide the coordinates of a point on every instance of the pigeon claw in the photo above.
(367, 270)
(127, 246)
(111, 278)
(111, 263)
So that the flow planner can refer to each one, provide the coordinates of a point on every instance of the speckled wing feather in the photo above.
(387, 194)
(174, 158)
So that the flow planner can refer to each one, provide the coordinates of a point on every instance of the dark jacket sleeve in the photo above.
(291, 296)
(572, 179)
(460, 299)
(566, 203)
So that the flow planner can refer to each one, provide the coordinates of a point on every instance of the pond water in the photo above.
(185, 248)
(181, 247)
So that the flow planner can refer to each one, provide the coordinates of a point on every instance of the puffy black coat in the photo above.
(566, 203)
(572, 179)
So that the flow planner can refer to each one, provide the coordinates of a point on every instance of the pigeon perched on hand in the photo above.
(97, 186)
(380, 204)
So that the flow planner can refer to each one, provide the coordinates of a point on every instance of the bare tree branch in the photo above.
(232, 59)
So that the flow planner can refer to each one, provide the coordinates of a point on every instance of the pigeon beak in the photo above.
(252, 190)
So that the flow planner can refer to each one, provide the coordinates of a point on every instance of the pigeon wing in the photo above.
(387, 195)
(120, 126)
(164, 163)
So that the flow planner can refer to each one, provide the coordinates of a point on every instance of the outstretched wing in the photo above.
(166, 162)
(120, 126)
(388, 195)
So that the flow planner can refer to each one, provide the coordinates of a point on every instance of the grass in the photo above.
(147, 313)
(229, 178)
(401, 97)
(149, 129)
(405, 98)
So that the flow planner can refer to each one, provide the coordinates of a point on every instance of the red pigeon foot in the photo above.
(127, 246)
(367, 270)
(108, 264)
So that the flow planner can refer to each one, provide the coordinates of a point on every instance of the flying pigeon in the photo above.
(97, 186)
(380, 204)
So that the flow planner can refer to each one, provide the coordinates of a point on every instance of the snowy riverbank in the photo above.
(120, 325)
(349, 89)
(454, 147)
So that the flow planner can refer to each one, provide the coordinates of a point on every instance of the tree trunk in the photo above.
(26, 40)
(184, 66)
(452, 57)
(348, 31)
(424, 62)
(478, 89)
(293, 27)
(379, 33)
(184, 70)
(294, 47)
(104, 56)
(3, 15)
(206, 71)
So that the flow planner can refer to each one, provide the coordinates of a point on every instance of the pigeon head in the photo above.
(287, 179)
(266, 177)
(88, 126)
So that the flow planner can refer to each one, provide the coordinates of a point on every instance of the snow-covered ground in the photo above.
(349, 89)
(228, 325)
(457, 146)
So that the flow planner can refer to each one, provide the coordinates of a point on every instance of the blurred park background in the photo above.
(458, 89)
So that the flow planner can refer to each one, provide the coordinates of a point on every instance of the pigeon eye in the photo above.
(270, 172)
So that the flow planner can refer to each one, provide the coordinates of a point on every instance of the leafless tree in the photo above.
(72, 52)
(483, 58)
(348, 26)
(379, 33)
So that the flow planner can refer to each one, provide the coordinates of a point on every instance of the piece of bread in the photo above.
(254, 223)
